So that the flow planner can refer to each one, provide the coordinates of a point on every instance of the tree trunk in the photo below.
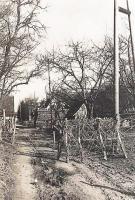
(90, 107)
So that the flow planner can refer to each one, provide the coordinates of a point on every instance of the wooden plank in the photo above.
(124, 11)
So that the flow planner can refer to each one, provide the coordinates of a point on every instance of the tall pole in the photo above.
(84, 86)
(50, 96)
(116, 64)
(117, 77)
(131, 36)
(49, 80)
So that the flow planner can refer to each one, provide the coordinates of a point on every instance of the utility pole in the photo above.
(131, 36)
(116, 65)
(118, 9)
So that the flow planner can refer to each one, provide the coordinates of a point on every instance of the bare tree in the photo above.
(127, 68)
(81, 69)
(20, 31)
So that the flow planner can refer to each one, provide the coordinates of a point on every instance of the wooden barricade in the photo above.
(99, 131)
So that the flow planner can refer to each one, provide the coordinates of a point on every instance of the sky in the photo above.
(77, 20)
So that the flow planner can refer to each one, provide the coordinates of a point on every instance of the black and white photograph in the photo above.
(67, 99)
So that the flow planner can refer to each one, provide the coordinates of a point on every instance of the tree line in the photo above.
(81, 72)
(20, 34)
(84, 73)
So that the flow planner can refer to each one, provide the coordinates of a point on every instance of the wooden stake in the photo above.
(66, 142)
(4, 117)
(80, 145)
(122, 144)
(54, 139)
(67, 147)
(14, 129)
(103, 146)
(101, 139)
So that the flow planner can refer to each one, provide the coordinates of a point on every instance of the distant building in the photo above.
(7, 103)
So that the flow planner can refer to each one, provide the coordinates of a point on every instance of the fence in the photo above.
(96, 135)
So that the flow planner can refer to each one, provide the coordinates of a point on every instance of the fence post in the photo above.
(4, 117)
(80, 145)
(101, 139)
(14, 128)
(0, 130)
(67, 147)
(54, 139)
(66, 142)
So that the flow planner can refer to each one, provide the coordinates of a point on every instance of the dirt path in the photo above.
(24, 175)
(92, 180)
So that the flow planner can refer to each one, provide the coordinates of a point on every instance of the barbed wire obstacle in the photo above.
(110, 132)
(96, 135)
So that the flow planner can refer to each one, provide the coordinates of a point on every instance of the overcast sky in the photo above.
(68, 20)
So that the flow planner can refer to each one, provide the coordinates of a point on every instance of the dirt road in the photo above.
(24, 175)
(40, 177)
